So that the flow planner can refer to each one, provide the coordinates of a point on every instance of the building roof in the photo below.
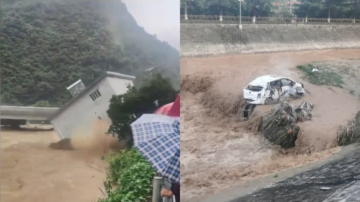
(89, 87)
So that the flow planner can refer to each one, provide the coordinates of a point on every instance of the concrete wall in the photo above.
(209, 39)
(119, 85)
(79, 117)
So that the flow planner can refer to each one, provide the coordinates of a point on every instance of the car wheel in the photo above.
(269, 100)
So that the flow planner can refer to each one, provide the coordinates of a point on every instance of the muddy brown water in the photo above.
(218, 152)
(31, 170)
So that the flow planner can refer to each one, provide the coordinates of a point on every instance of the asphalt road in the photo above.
(341, 176)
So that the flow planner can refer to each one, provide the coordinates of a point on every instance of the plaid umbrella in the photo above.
(157, 137)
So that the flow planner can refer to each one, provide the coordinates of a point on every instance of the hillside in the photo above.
(47, 46)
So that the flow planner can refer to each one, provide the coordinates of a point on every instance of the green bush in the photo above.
(129, 178)
(120, 161)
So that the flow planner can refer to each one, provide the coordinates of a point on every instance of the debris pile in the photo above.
(64, 144)
(280, 127)
(350, 133)
(295, 92)
(304, 111)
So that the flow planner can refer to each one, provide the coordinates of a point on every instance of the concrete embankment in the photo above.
(199, 40)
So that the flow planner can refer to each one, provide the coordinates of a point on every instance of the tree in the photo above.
(192, 7)
(125, 109)
(183, 7)
(332, 5)
(222, 7)
(259, 7)
(283, 10)
(307, 7)
(210, 7)
(353, 10)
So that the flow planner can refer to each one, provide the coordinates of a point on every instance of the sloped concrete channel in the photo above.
(340, 173)
(341, 178)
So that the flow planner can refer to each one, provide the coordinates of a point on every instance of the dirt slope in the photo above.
(218, 152)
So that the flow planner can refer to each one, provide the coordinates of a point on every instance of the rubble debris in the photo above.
(280, 127)
(294, 92)
(315, 70)
(64, 144)
(304, 111)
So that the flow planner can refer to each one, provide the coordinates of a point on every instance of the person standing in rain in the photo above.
(173, 191)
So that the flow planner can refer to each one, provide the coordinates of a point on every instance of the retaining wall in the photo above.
(209, 39)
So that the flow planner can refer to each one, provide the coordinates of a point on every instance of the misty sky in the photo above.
(160, 17)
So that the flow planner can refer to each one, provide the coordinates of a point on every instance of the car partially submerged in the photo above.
(270, 89)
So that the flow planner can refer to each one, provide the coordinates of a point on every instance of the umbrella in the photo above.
(175, 109)
(171, 109)
(164, 109)
(157, 137)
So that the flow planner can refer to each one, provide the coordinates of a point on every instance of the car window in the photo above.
(255, 88)
(275, 83)
(286, 82)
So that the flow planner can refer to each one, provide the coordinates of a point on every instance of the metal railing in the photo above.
(215, 19)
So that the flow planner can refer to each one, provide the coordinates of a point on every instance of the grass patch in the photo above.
(325, 76)
(352, 92)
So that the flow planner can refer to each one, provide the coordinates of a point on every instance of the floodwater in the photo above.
(32, 171)
(218, 152)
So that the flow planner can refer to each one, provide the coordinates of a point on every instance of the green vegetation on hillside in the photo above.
(47, 46)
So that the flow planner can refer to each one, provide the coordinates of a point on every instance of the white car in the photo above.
(269, 89)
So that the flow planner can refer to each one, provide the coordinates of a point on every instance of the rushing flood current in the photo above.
(219, 152)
